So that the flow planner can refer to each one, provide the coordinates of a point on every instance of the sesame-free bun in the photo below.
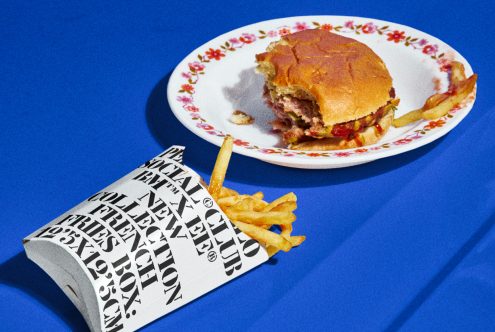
(345, 77)
(369, 136)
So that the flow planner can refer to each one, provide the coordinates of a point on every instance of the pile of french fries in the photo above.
(440, 104)
(250, 213)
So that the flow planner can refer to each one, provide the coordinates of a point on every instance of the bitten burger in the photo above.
(327, 91)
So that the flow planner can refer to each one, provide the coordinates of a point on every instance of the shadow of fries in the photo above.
(21, 273)
(200, 155)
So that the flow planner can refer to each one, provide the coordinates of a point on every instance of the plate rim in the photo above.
(324, 162)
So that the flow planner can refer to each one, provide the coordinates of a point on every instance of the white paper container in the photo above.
(143, 246)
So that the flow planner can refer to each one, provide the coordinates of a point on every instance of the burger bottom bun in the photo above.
(370, 136)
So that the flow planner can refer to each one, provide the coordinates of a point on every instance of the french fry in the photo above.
(226, 192)
(463, 89)
(457, 73)
(259, 204)
(250, 213)
(271, 251)
(286, 198)
(285, 207)
(407, 118)
(245, 204)
(286, 230)
(265, 236)
(434, 101)
(261, 218)
(220, 168)
(416, 115)
(230, 200)
(440, 104)
(258, 195)
(297, 240)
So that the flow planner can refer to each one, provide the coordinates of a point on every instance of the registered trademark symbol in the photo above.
(208, 202)
(212, 256)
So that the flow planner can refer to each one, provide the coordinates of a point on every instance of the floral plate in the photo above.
(219, 77)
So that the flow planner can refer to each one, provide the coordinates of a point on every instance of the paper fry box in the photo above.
(142, 247)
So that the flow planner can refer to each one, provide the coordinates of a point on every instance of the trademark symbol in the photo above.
(208, 202)
(212, 256)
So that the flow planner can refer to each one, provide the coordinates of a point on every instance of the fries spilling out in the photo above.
(440, 104)
(250, 213)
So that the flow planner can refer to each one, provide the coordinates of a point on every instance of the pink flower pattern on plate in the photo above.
(422, 42)
(369, 28)
(272, 33)
(342, 154)
(444, 65)
(403, 141)
(191, 108)
(300, 26)
(196, 66)
(205, 126)
(247, 38)
(268, 151)
(430, 49)
(184, 99)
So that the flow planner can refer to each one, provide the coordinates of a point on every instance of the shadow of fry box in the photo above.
(143, 246)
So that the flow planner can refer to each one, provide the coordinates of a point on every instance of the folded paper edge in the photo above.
(71, 278)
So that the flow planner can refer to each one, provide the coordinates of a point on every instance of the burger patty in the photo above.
(299, 119)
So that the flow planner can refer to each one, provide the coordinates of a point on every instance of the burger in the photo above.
(327, 91)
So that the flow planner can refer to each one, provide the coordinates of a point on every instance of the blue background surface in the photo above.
(404, 242)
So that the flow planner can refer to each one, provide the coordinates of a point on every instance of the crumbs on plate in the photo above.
(238, 117)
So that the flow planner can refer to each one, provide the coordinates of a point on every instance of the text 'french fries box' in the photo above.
(145, 245)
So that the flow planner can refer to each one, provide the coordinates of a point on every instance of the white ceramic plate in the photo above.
(219, 77)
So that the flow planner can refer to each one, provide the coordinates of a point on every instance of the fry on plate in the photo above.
(440, 104)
